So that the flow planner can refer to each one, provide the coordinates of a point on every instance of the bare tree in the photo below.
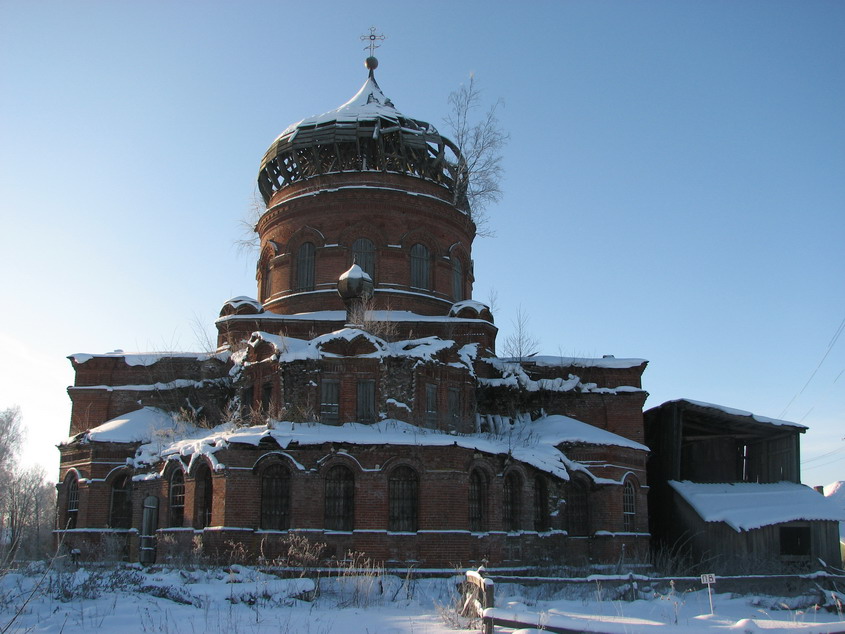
(248, 242)
(481, 141)
(27, 501)
(11, 435)
(520, 344)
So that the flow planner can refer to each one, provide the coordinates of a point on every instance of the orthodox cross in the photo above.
(372, 37)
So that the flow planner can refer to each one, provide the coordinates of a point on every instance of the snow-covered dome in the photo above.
(367, 133)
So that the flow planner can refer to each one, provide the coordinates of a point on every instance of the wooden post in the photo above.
(478, 595)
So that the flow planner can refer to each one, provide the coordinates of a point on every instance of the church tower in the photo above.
(363, 184)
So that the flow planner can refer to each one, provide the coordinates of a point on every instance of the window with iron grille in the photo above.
(364, 253)
(120, 514)
(512, 502)
(477, 501)
(457, 279)
(577, 509)
(340, 499)
(72, 484)
(305, 267)
(454, 397)
(177, 498)
(402, 494)
(541, 505)
(330, 401)
(629, 506)
(420, 263)
(203, 496)
(366, 401)
(275, 498)
(431, 405)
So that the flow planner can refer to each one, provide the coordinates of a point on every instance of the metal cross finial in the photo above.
(372, 37)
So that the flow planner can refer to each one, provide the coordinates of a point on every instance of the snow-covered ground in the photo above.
(243, 599)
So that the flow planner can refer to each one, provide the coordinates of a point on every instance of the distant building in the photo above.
(725, 490)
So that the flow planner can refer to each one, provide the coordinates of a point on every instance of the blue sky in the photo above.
(674, 190)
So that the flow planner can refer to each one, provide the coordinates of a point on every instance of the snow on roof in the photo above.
(368, 104)
(142, 425)
(739, 412)
(340, 316)
(835, 492)
(355, 272)
(570, 430)
(532, 442)
(293, 349)
(515, 376)
(746, 505)
(243, 300)
(581, 362)
(147, 358)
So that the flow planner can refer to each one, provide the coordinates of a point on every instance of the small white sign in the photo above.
(708, 578)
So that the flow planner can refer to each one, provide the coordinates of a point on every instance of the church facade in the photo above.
(359, 399)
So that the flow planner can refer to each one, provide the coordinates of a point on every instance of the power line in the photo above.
(827, 352)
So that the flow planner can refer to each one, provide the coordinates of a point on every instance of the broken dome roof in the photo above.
(367, 133)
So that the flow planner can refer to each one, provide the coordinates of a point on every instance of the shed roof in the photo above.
(748, 505)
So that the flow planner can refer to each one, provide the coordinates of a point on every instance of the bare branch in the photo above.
(481, 142)
(520, 344)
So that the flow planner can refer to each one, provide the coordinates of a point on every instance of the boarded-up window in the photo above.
(541, 504)
(457, 279)
(512, 502)
(431, 405)
(305, 267)
(275, 498)
(340, 499)
(203, 497)
(420, 264)
(454, 396)
(176, 498)
(403, 485)
(72, 484)
(266, 397)
(577, 509)
(364, 253)
(120, 514)
(330, 402)
(629, 506)
(477, 501)
(795, 541)
(366, 401)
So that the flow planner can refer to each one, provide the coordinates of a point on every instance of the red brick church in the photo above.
(359, 400)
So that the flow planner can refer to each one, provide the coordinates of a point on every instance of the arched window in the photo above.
(364, 253)
(512, 502)
(203, 497)
(176, 498)
(266, 280)
(477, 501)
(402, 495)
(120, 513)
(305, 267)
(541, 505)
(340, 499)
(629, 507)
(275, 498)
(72, 487)
(577, 509)
(457, 279)
(420, 264)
